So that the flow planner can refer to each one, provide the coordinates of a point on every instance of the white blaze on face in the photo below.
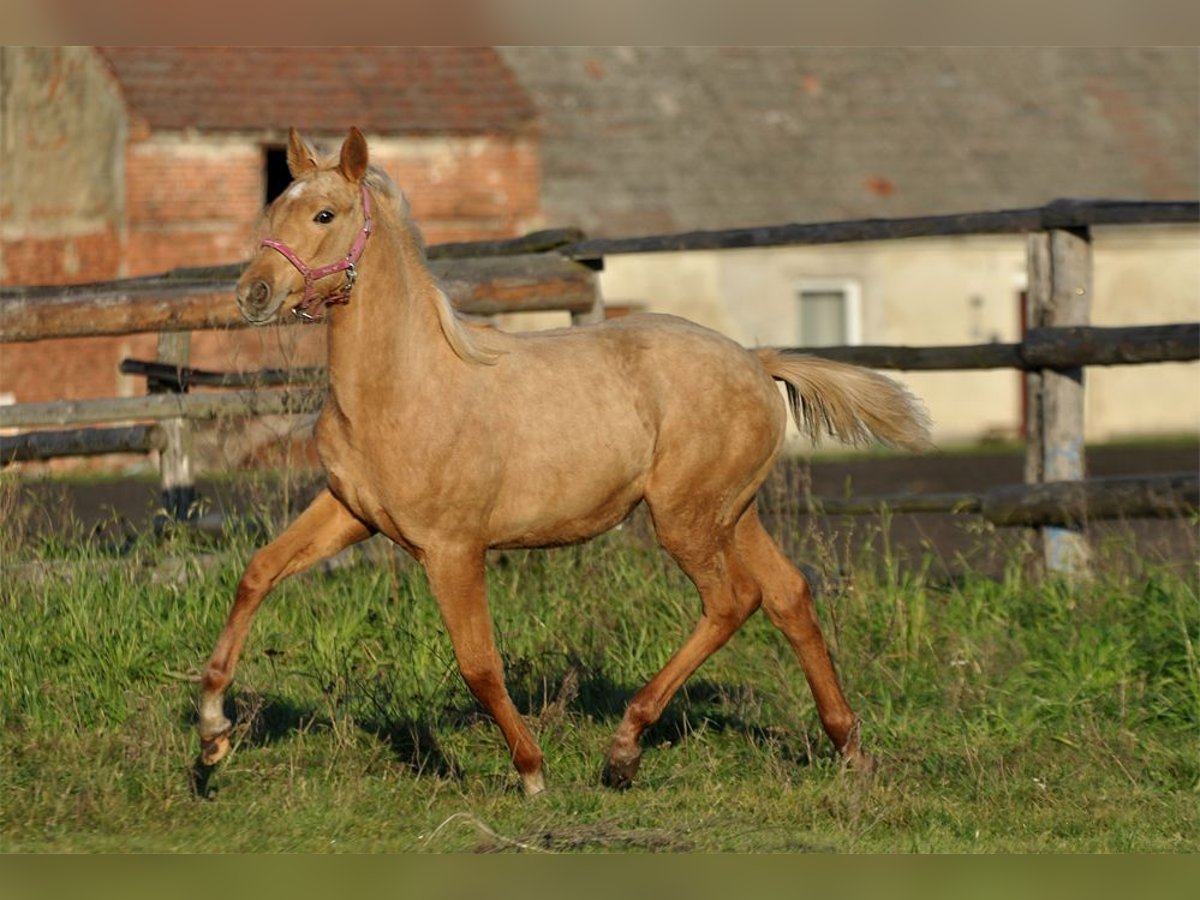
(296, 190)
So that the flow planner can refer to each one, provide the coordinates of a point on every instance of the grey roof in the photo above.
(644, 139)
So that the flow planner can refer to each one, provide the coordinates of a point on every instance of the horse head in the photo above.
(316, 232)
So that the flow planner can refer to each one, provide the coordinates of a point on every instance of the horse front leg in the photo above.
(323, 529)
(459, 584)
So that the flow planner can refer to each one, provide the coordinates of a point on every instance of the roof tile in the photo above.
(385, 90)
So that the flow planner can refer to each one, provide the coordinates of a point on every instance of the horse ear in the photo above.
(300, 157)
(353, 164)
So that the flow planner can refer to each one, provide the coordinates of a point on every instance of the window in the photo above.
(276, 176)
(829, 313)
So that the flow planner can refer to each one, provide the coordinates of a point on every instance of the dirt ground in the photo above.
(110, 511)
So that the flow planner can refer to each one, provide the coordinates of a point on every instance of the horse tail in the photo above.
(850, 403)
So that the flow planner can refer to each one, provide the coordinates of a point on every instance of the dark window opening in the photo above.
(275, 171)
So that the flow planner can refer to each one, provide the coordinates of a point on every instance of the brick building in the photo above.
(132, 161)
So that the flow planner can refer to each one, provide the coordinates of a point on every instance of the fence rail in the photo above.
(1052, 503)
(1058, 215)
(193, 301)
(159, 407)
(556, 270)
(39, 445)
(1042, 348)
(180, 378)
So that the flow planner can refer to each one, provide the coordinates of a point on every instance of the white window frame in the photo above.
(850, 288)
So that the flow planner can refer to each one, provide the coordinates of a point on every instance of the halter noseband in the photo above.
(311, 308)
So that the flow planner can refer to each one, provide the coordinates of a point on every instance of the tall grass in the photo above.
(1008, 713)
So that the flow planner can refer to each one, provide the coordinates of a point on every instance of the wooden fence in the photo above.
(556, 270)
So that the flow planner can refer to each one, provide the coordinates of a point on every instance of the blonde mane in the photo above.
(469, 344)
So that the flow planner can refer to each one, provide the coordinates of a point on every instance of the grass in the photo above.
(1008, 714)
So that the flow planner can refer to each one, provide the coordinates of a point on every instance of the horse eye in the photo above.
(324, 217)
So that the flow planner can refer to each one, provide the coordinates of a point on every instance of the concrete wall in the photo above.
(62, 136)
(61, 140)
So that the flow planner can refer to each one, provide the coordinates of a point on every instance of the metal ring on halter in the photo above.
(304, 315)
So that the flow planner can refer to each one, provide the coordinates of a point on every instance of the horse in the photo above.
(452, 437)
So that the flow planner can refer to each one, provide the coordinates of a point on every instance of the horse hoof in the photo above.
(534, 783)
(213, 749)
(620, 771)
(860, 763)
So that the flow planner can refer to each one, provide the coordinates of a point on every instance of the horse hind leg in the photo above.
(323, 529)
(787, 601)
(728, 595)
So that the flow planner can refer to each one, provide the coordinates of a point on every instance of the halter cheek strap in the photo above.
(312, 308)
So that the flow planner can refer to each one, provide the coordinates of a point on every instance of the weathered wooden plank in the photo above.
(37, 445)
(520, 283)
(1065, 503)
(184, 377)
(1072, 504)
(927, 359)
(198, 277)
(507, 284)
(534, 242)
(811, 234)
(168, 308)
(1075, 213)
(162, 406)
(898, 503)
(1081, 345)
(1054, 348)
(1059, 214)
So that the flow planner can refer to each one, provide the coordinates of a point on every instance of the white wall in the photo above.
(1145, 276)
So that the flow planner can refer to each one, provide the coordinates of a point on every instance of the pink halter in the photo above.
(311, 308)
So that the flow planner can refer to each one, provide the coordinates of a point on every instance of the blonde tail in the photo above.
(850, 403)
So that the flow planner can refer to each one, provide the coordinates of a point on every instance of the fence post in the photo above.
(1060, 292)
(175, 461)
(596, 312)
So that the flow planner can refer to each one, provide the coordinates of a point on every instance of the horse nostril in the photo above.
(259, 293)
(254, 299)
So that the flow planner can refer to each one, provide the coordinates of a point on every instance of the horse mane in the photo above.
(470, 344)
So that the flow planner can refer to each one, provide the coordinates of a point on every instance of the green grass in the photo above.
(1007, 714)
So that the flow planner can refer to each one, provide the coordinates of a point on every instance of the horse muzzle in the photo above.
(258, 302)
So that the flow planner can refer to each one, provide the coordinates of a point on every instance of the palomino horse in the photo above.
(452, 438)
